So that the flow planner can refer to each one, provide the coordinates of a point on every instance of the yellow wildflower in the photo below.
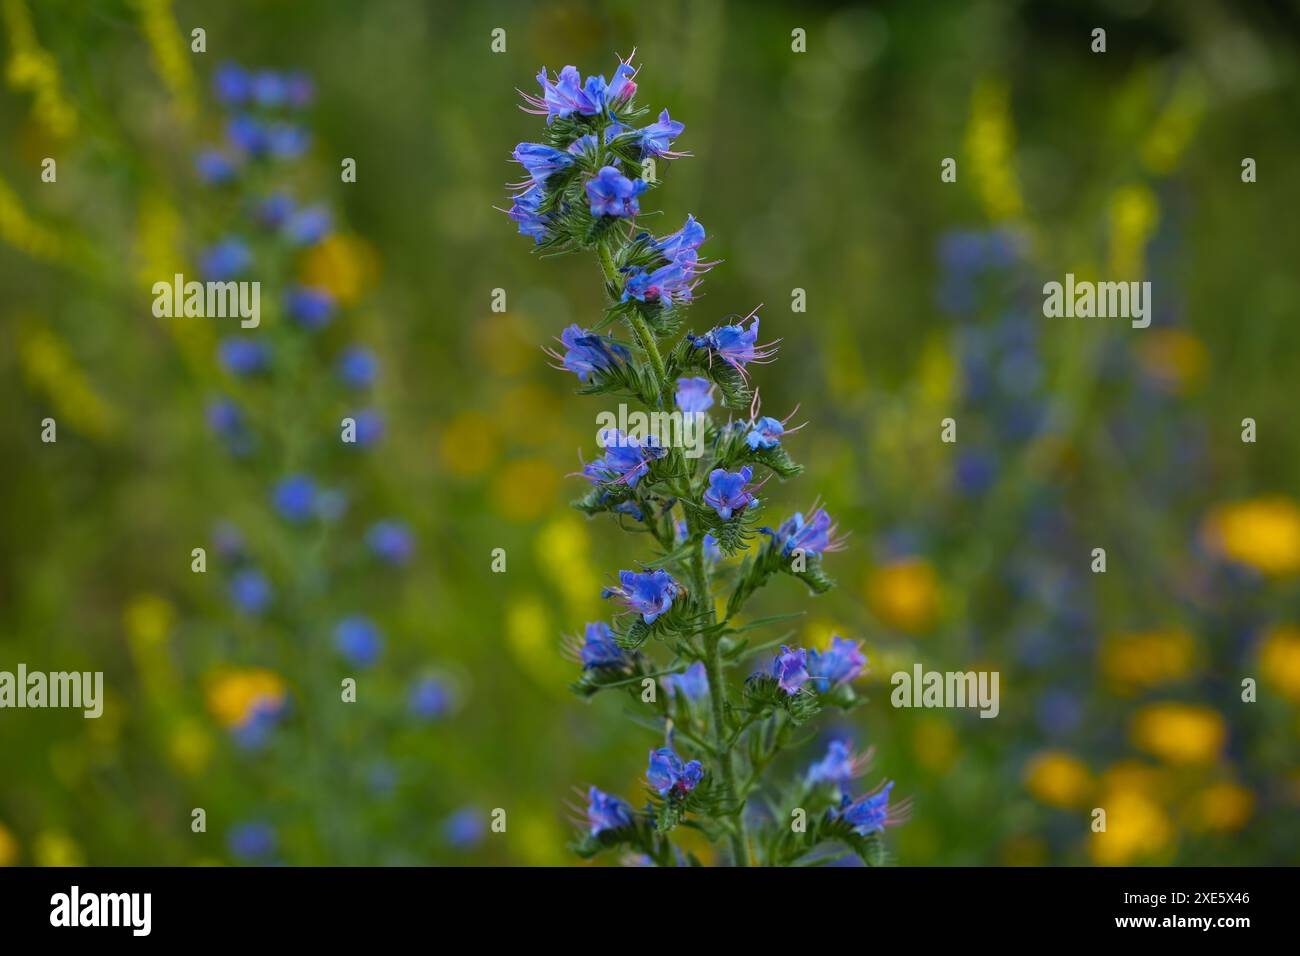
(1180, 733)
(1263, 533)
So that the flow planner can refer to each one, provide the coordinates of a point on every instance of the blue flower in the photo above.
(429, 698)
(694, 395)
(250, 591)
(870, 813)
(563, 96)
(613, 194)
(215, 167)
(390, 541)
(728, 491)
(657, 138)
(711, 550)
(255, 732)
(301, 91)
(599, 648)
(269, 89)
(587, 353)
(526, 211)
(295, 498)
(252, 842)
(311, 308)
(790, 669)
(287, 141)
(674, 282)
(541, 162)
(465, 828)
(735, 345)
(815, 536)
(684, 244)
(840, 765)
(625, 460)
(274, 211)
(224, 417)
(243, 356)
(765, 433)
(668, 775)
(369, 428)
(226, 260)
(693, 683)
(358, 367)
(248, 135)
(231, 84)
(606, 813)
(649, 594)
(308, 226)
(841, 663)
(358, 640)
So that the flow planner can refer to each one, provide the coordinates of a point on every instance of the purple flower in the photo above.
(815, 536)
(790, 669)
(231, 84)
(251, 842)
(587, 353)
(299, 89)
(464, 829)
(390, 541)
(694, 395)
(673, 282)
(225, 419)
(649, 594)
(728, 491)
(765, 433)
(250, 591)
(870, 813)
(429, 699)
(684, 244)
(358, 640)
(693, 683)
(657, 138)
(274, 211)
(358, 367)
(735, 345)
(287, 141)
(243, 356)
(248, 135)
(563, 96)
(215, 167)
(606, 813)
(668, 775)
(841, 663)
(526, 211)
(295, 498)
(269, 89)
(308, 226)
(540, 161)
(599, 648)
(369, 428)
(310, 307)
(613, 194)
(625, 460)
(839, 766)
(226, 260)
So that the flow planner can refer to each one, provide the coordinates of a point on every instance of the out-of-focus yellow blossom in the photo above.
(1058, 779)
(935, 744)
(1175, 359)
(1263, 533)
(1134, 214)
(904, 594)
(343, 265)
(1222, 808)
(1148, 659)
(541, 841)
(507, 345)
(1136, 829)
(526, 489)
(34, 70)
(817, 633)
(1180, 733)
(148, 619)
(1145, 778)
(51, 371)
(190, 748)
(1024, 850)
(56, 848)
(1172, 130)
(171, 53)
(533, 642)
(21, 231)
(990, 144)
(563, 552)
(235, 695)
(8, 847)
(1279, 660)
(469, 444)
(936, 372)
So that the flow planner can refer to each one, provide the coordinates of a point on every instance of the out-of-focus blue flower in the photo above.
(250, 591)
(382, 778)
(840, 765)
(728, 491)
(606, 813)
(369, 428)
(390, 541)
(526, 211)
(842, 662)
(358, 367)
(599, 649)
(269, 89)
(248, 135)
(358, 640)
(228, 540)
(224, 417)
(252, 842)
(668, 775)
(657, 138)
(215, 167)
(649, 594)
(625, 460)
(869, 813)
(613, 194)
(790, 668)
(310, 307)
(300, 90)
(255, 731)
(694, 395)
(274, 211)
(712, 552)
(974, 472)
(765, 433)
(243, 356)
(429, 698)
(816, 536)
(1059, 712)
(308, 226)
(465, 828)
(540, 161)
(287, 141)
(295, 498)
(587, 353)
(231, 84)
(735, 345)
(693, 683)
(226, 260)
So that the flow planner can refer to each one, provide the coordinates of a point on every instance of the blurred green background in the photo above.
(817, 171)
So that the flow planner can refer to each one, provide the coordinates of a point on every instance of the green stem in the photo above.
(643, 333)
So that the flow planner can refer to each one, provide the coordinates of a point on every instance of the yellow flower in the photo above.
(22, 232)
(1174, 358)
(8, 847)
(51, 370)
(532, 640)
(935, 744)
(1136, 829)
(234, 695)
(1263, 533)
(1147, 659)
(904, 594)
(1180, 733)
(525, 489)
(1058, 779)
(56, 848)
(1279, 660)
(344, 266)
(171, 57)
(148, 620)
(990, 144)
(563, 552)
(469, 444)
(32, 68)
(1134, 213)
(1223, 807)
(190, 748)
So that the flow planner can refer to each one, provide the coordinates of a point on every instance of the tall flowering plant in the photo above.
(678, 635)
